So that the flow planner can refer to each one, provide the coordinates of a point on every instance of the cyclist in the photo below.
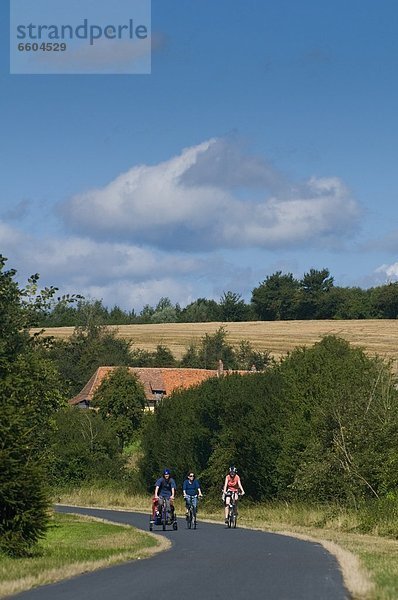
(191, 490)
(165, 488)
(232, 487)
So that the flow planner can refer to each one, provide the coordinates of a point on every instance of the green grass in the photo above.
(73, 545)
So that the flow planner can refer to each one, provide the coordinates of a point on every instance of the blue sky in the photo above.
(264, 139)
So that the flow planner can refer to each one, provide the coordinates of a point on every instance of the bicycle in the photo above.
(192, 511)
(161, 516)
(232, 518)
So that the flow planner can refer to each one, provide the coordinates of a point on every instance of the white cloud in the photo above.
(132, 240)
(388, 272)
(118, 273)
(212, 196)
(10, 236)
(130, 294)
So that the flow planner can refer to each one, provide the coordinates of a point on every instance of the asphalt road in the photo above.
(210, 562)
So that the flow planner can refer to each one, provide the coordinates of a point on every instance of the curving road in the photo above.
(212, 562)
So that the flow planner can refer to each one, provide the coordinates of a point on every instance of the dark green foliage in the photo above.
(233, 307)
(340, 424)
(277, 297)
(249, 359)
(164, 312)
(85, 448)
(24, 501)
(88, 348)
(161, 357)
(120, 400)
(200, 311)
(352, 303)
(30, 392)
(315, 287)
(190, 359)
(225, 420)
(385, 299)
(212, 349)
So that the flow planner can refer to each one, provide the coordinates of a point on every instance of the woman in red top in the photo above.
(233, 485)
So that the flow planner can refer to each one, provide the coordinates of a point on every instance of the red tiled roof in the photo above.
(161, 379)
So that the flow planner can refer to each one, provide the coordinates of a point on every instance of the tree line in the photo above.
(280, 296)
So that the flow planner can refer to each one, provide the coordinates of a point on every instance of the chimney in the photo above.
(220, 369)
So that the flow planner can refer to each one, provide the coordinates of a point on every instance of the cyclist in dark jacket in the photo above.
(191, 490)
(165, 488)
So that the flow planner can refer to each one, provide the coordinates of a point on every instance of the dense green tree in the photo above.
(211, 349)
(247, 358)
(164, 312)
(233, 307)
(78, 357)
(385, 301)
(146, 314)
(91, 313)
(352, 303)
(277, 297)
(117, 316)
(165, 315)
(163, 357)
(62, 314)
(190, 358)
(30, 392)
(340, 425)
(314, 287)
(85, 448)
(200, 311)
(121, 400)
(231, 419)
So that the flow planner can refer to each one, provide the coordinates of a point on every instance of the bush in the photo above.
(85, 448)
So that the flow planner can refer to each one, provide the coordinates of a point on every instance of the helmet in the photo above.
(166, 472)
(232, 470)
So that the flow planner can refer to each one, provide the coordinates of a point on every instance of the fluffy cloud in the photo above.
(388, 272)
(118, 273)
(132, 241)
(212, 196)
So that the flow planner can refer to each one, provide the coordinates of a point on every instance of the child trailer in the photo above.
(161, 517)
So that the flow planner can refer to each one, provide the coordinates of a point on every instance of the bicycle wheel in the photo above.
(234, 519)
(189, 522)
(230, 517)
(164, 517)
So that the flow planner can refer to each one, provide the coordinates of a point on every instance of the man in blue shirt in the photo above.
(191, 490)
(165, 488)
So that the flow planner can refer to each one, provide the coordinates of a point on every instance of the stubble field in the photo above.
(376, 336)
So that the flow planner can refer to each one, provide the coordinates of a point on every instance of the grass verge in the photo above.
(73, 545)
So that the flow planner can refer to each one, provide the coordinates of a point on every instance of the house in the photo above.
(158, 382)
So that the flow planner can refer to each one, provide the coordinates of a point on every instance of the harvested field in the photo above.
(376, 336)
